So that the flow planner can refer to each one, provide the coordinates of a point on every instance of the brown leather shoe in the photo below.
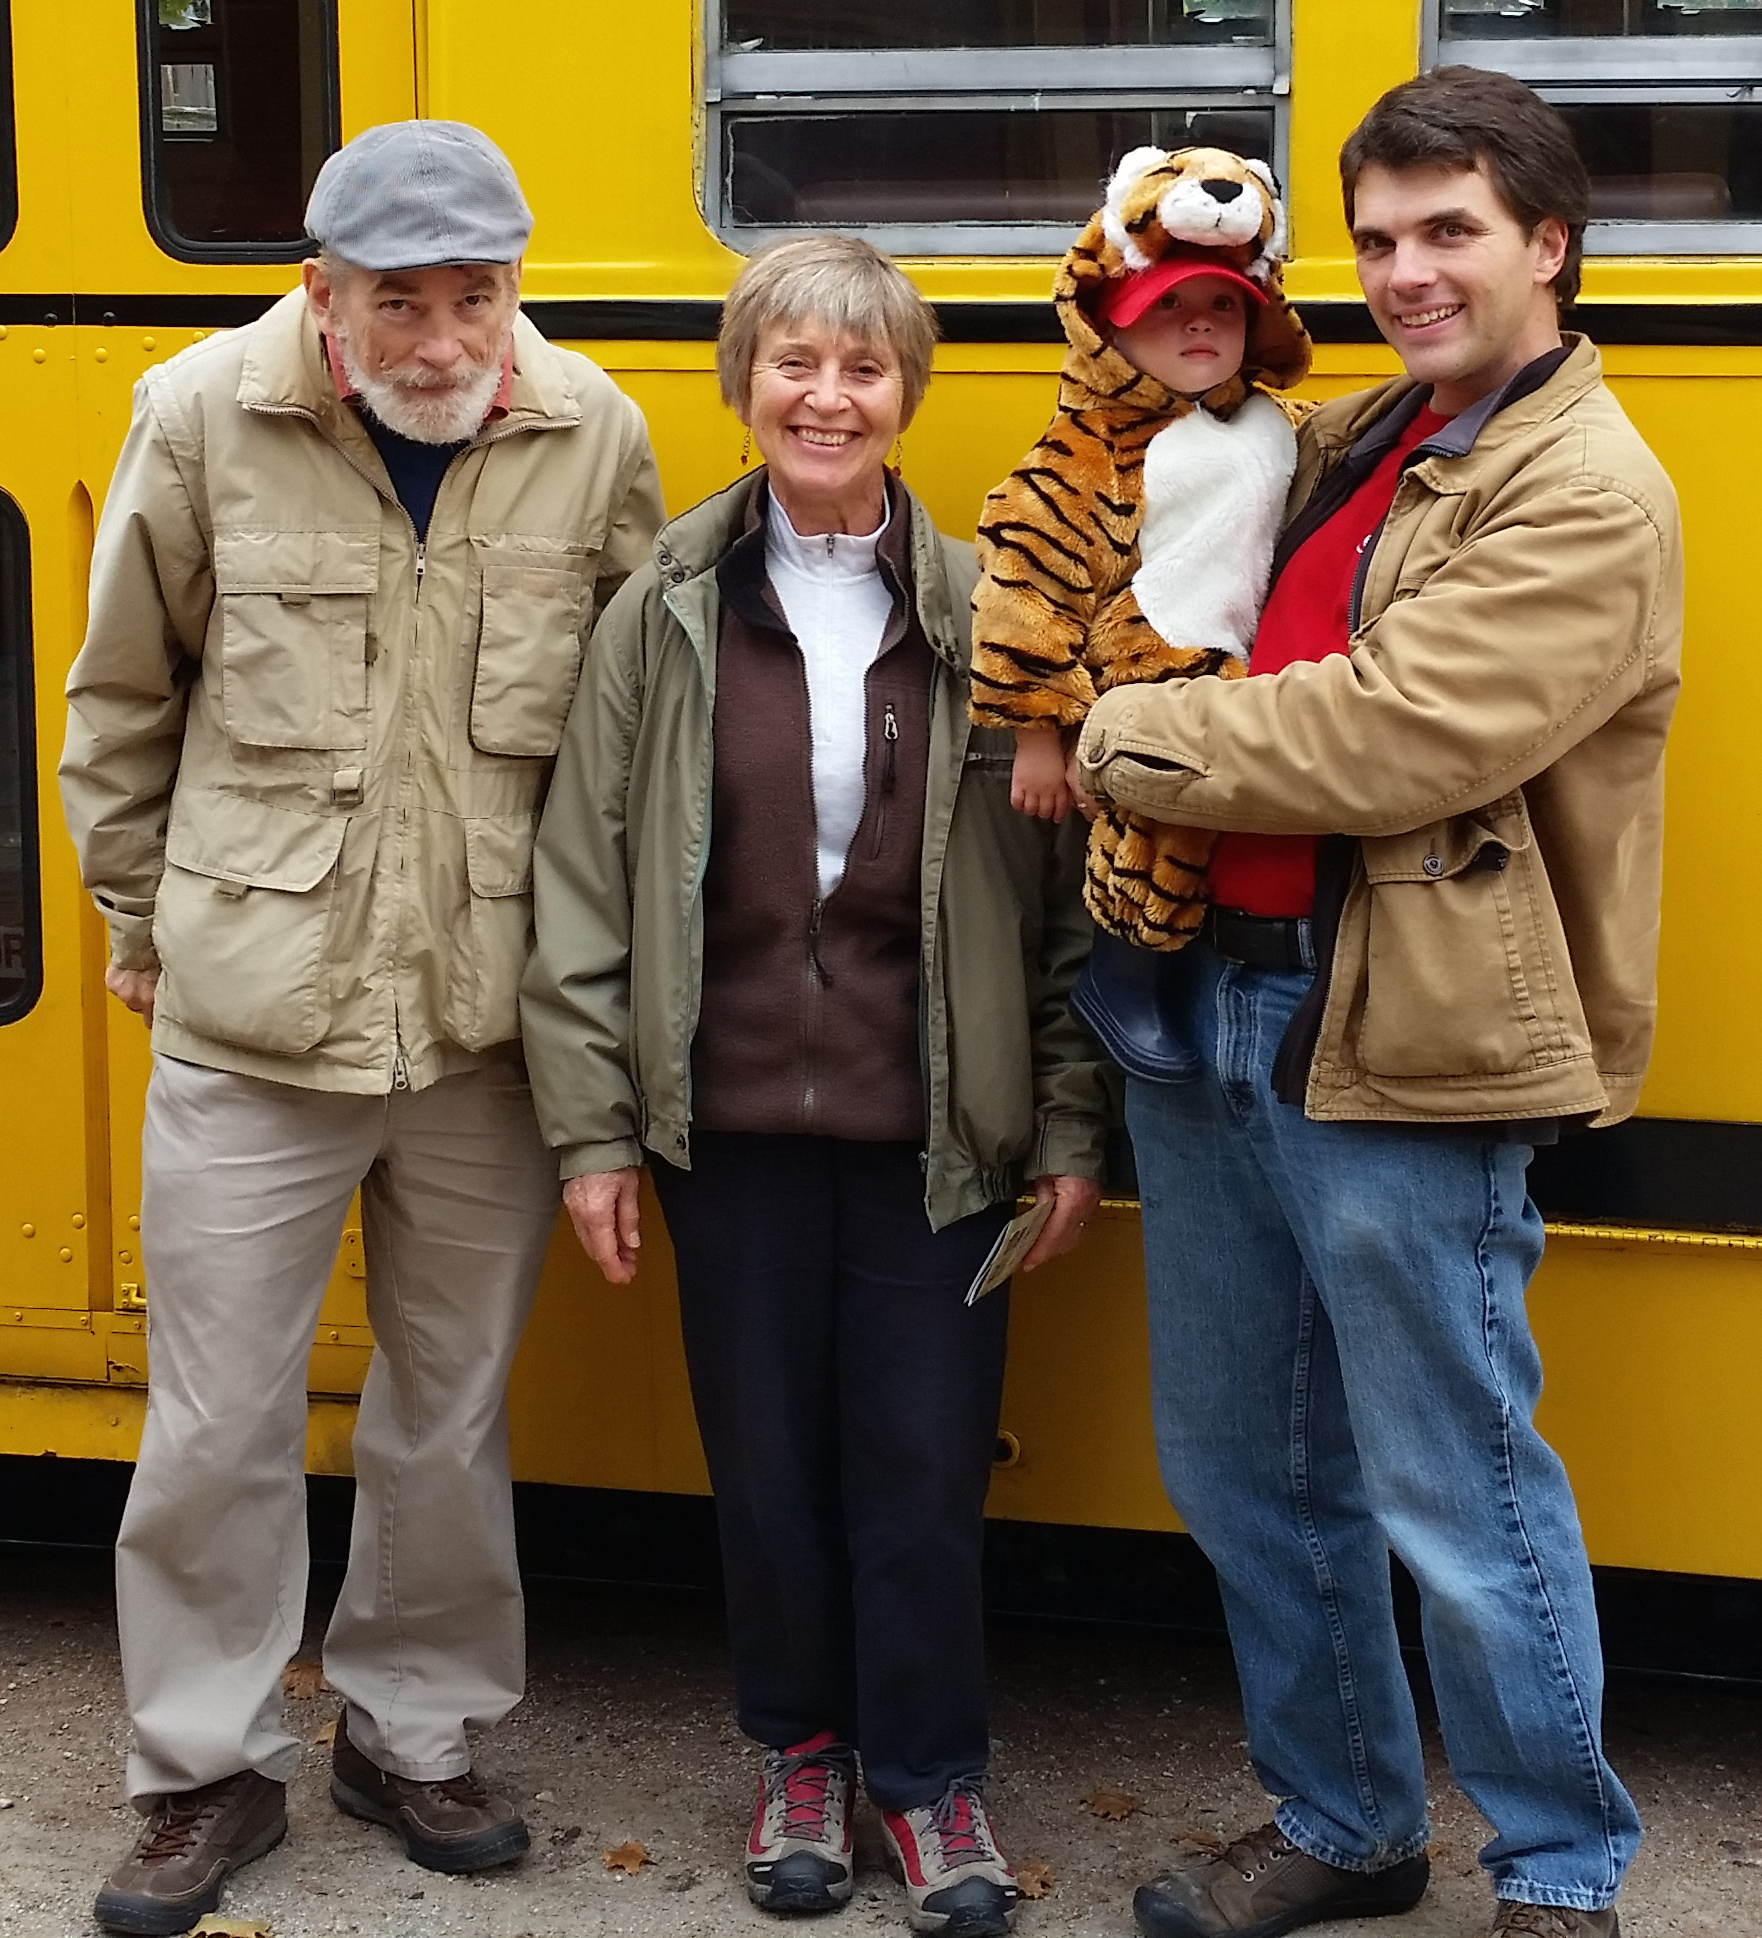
(193, 1842)
(452, 1826)
(1263, 1885)
(1554, 1921)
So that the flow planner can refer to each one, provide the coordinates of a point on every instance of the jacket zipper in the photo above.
(889, 773)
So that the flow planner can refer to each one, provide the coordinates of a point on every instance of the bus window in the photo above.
(1669, 134)
(972, 126)
(8, 134)
(21, 926)
(239, 105)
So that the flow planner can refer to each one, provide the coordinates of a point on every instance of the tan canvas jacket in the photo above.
(305, 757)
(1494, 740)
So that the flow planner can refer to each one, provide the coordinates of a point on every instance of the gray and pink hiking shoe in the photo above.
(959, 1883)
(798, 1854)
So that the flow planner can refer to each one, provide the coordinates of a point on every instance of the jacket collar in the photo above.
(285, 369)
(730, 526)
(1538, 392)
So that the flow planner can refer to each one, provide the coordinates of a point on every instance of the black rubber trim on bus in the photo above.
(682, 320)
(1658, 1173)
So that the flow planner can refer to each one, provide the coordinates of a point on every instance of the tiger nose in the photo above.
(1222, 191)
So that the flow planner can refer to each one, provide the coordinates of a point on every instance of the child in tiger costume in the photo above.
(1135, 540)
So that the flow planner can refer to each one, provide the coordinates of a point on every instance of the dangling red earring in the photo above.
(746, 447)
(898, 458)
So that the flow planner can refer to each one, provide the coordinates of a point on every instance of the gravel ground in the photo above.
(627, 1735)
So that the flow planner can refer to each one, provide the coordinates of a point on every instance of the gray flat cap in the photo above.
(414, 194)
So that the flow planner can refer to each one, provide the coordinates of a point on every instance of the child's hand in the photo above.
(1037, 783)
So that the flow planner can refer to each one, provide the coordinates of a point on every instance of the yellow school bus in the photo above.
(154, 160)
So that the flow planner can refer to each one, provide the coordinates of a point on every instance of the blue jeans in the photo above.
(1342, 1366)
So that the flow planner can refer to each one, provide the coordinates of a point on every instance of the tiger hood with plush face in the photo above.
(1158, 202)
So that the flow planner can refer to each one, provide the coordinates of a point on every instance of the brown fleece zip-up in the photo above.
(809, 1015)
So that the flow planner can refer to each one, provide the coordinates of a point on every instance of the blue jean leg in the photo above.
(1420, 1246)
(1257, 1455)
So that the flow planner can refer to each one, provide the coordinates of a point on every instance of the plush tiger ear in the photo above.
(1134, 166)
(1273, 249)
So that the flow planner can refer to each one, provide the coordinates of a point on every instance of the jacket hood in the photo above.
(1188, 199)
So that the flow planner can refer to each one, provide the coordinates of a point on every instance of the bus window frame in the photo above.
(9, 136)
(775, 84)
(154, 194)
(1623, 73)
(15, 620)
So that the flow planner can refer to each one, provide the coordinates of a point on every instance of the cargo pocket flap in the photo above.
(1447, 848)
(232, 839)
(498, 855)
(299, 562)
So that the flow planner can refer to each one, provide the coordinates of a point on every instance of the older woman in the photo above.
(796, 950)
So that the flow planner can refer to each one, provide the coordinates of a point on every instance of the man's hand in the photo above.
(1086, 803)
(136, 988)
(603, 1209)
(1073, 1205)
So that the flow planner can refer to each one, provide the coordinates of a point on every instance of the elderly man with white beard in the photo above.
(340, 591)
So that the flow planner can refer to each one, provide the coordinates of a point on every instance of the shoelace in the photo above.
(467, 1790)
(171, 1833)
(804, 1782)
(1539, 1920)
(1256, 1849)
(961, 1828)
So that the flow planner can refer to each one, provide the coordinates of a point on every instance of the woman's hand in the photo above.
(1085, 803)
(1073, 1205)
(603, 1209)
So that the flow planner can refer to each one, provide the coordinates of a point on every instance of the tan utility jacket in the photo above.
(305, 757)
(1014, 1086)
(1494, 739)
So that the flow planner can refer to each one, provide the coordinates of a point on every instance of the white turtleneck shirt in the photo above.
(837, 604)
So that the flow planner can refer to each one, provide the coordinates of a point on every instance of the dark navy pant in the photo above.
(847, 1400)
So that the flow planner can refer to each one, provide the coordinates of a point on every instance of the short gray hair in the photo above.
(839, 281)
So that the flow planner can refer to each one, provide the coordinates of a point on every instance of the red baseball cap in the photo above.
(1132, 295)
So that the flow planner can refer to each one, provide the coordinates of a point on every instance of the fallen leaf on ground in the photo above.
(1111, 1804)
(301, 1681)
(212, 1927)
(628, 1857)
(1035, 1878)
(326, 1736)
(1201, 1841)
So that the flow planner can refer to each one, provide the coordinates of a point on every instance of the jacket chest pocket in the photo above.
(294, 612)
(528, 646)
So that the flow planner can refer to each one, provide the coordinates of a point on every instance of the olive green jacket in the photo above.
(1494, 741)
(305, 755)
(1015, 1087)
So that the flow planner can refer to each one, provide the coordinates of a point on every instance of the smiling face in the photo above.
(1457, 285)
(424, 347)
(1192, 337)
(824, 411)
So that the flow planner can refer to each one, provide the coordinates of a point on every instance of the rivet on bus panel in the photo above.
(149, 343)
(39, 356)
(134, 1223)
(30, 1231)
(66, 1256)
(103, 356)
(128, 1258)
(79, 1221)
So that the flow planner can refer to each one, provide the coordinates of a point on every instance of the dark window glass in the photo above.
(21, 922)
(240, 99)
(8, 138)
(1597, 19)
(1657, 162)
(996, 23)
(955, 165)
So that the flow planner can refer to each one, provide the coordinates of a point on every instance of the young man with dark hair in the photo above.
(1431, 947)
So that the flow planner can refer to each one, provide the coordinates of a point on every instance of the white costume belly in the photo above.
(1214, 496)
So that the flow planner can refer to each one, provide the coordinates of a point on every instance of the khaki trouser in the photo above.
(246, 1184)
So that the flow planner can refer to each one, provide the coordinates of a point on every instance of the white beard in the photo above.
(429, 409)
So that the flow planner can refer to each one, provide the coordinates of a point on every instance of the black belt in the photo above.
(1261, 941)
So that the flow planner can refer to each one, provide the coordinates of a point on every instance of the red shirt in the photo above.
(1306, 618)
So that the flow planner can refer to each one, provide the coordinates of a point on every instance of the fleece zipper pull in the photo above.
(890, 734)
(814, 963)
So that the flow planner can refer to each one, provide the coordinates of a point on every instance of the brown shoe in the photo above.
(1263, 1885)
(452, 1826)
(194, 1840)
(1554, 1921)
